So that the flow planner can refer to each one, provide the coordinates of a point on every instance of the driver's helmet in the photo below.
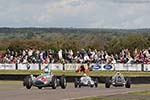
(84, 75)
(46, 69)
(118, 73)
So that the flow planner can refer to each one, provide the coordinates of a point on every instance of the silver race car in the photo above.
(85, 81)
(118, 80)
(45, 80)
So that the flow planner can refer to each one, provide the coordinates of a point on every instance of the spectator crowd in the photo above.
(32, 55)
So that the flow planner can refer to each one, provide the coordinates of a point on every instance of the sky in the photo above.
(121, 14)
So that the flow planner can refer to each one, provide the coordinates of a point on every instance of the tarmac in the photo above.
(18, 92)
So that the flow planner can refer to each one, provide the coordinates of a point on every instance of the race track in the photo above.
(18, 92)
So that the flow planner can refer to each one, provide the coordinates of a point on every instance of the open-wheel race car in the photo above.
(45, 80)
(86, 81)
(118, 80)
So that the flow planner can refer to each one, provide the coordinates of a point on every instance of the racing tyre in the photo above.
(63, 82)
(128, 83)
(96, 82)
(92, 86)
(39, 87)
(54, 82)
(107, 83)
(28, 82)
(79, 84)
(24, 81)
(76, 83)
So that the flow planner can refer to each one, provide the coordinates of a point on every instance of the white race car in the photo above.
(118, 80)
(86, 81)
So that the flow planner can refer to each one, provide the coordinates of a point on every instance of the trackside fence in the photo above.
(75, 66)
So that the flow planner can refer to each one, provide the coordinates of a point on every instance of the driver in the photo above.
(117, 75)
(84, 75)
(47, 70)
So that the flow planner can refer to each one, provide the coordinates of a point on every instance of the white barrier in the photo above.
(28, 66)
(52, 66)
(7, 67)
(74, 66)
(119, 67)
(146, 67)
(128, 67)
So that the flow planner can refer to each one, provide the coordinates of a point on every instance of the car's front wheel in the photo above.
(63, 82)
(107, 83)
(28, 82)
(54, 82)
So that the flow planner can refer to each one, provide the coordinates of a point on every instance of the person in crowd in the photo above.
(81, 69)
(32, 55)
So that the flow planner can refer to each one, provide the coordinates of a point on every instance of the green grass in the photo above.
(141, 93)
(10, 82)
(72, 73)
(96, 98)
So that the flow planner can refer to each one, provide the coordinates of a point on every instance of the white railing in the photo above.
(74, 66)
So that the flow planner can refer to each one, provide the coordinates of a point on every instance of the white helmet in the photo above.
(84, 75)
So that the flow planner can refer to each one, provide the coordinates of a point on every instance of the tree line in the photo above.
(111, 40)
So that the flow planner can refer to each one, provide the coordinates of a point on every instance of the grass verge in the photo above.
(73, 73)
(96, 98)
(10, 82)
(141, 93)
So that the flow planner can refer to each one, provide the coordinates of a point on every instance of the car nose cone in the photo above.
(39, 82)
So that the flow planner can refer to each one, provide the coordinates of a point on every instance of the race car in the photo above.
(85, 81)
(118, 80)
(45, 80)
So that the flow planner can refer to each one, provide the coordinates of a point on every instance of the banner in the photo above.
(7, 66)
(128, 67)
(95, 67)
(28, 66)
(146, 67)
(133, 67)
(119, 67)
(52, 66)
(74, 66)
(107, 66)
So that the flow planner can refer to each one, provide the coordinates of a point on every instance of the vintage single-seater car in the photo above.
(45, 80)
(118, 80)
(85, 81)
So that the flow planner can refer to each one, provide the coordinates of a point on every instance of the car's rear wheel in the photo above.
(54, 82)
(28, 82)
(107, 82)
(63, 82)
(128, 83)
(76, 83)
(96, 82)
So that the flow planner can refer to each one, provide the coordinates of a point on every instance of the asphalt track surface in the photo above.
(18, 92)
